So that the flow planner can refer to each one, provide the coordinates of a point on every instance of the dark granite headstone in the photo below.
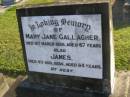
(68, 50)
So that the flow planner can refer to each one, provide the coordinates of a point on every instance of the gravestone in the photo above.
(7, 2)
(68, 50)
(126, 12)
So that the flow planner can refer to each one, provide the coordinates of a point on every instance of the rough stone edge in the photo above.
(59, 3)
(119, 84)
(3, 85)
(11, 91)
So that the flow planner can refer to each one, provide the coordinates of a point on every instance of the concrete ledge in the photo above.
(3, 86)
(11, 91)
(122, 85)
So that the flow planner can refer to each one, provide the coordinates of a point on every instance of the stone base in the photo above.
(26, 89)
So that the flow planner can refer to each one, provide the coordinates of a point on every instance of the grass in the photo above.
(10, 48)
(0, 1)
(11, 58)
(122, 48)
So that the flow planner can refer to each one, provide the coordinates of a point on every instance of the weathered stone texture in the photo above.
(3, 86)
(122, 85)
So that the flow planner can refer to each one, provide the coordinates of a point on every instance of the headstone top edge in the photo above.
(52, 4)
